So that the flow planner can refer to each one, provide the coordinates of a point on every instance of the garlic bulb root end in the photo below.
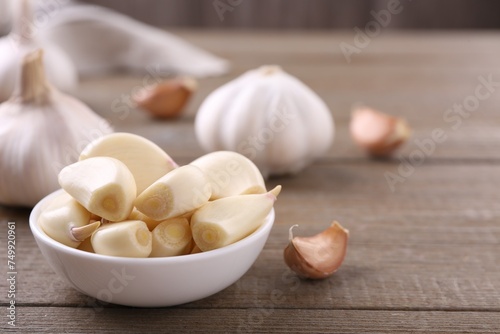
(168, 98)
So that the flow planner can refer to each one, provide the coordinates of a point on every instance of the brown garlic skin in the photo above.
(378, 133)
(168, 98)
(319, 256)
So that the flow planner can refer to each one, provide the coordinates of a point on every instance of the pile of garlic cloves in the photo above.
(126, 197)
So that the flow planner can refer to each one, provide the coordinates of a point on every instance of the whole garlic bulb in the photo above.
(269, 116)
(41, 131)
(59, 68)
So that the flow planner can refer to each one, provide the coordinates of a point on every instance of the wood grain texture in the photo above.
(417, 248)
(311, 14)
(252, 320)
(414, 75)
(422, 257)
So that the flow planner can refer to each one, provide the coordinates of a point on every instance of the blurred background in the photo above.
(310, 14)
(295, 14)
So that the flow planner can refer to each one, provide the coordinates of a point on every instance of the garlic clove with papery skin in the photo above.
(22, 40)
(318, 256)
(270, 117)
(41, 131)
(168, 98)
(378, 133)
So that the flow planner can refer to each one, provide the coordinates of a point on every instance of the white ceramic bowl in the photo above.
(150, 282)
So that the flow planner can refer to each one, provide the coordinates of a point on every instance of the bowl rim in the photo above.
(39, 234)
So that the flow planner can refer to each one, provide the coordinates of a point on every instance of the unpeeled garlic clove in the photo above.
(168, 98)
(318, 256)
(378, 133)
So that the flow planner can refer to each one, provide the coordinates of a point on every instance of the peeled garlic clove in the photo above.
(172, 237)
(380, 134)
(318, 256)
(168, 98)
(195, 249)
(61, 217)
(178, 192)
(137, 215)
(224, 221)
(146, 160)
(230, 174)
(130, 238)
(103, 185)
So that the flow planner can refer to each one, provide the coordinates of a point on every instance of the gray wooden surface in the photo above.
(309, 14)
(421, 258)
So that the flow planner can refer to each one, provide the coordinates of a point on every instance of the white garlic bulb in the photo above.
(269, 116)
(59, 68)
(41, 131)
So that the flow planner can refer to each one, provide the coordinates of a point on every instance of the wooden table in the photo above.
(422, 258)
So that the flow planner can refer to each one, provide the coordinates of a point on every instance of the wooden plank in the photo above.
(422, 254)
(359, 193)
(475, 137)
(409, 282)
(413, 277)
(253, 320)
(411, 43)
(317, 14)
(404, 81)
(430, 245)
